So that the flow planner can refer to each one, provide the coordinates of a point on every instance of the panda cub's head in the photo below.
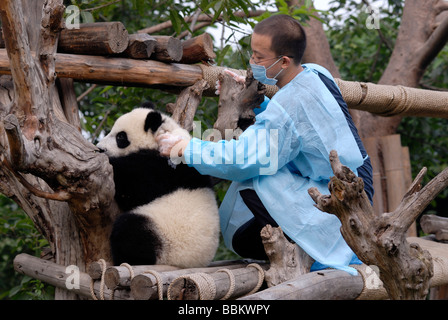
(137, 130)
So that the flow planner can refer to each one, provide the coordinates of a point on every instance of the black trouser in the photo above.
(247, 241)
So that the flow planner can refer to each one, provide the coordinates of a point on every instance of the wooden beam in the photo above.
(118, 71)
(318, 285)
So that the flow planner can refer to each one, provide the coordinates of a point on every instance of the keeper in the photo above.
(301, 124)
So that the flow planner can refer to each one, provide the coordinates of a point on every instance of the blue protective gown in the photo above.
(283, 154)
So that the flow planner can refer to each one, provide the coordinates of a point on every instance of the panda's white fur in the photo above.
(188, 224)
(180, 227)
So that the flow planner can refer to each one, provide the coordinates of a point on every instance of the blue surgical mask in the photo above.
(259, 72)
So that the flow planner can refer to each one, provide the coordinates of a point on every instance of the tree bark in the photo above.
(53, 173)
(237, 101)
(380, 240)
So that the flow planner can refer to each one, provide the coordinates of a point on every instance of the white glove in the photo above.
(166, 143)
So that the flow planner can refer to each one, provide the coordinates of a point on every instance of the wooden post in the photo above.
(372, 147)
(393, 166)
(100, 38)
(407, 174)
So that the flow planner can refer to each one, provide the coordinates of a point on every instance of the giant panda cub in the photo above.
(170, 214)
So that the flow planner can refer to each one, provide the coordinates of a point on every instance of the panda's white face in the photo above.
(138, 130)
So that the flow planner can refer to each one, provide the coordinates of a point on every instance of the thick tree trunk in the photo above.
(423, 32)
(52, 172)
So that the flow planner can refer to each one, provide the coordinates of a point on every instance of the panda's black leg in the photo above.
(134, 241)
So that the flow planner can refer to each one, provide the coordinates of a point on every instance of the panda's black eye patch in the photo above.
(122, 140)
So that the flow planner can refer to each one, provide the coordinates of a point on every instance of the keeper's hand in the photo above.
(172, 146)
(236, 77)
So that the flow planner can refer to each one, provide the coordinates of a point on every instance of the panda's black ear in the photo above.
(153, 121)
(148, 105)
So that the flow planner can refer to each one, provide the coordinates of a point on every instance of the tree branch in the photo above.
(52, 24)
(434, 44)
(200, 18)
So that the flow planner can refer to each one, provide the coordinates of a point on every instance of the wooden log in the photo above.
(318, 285)
(168, 49)
(99, 38)
(120, 276)
(219, 285)
(198, 49)
(437, 225)
(141, 46)
(118, 71)
(380, 240)
(144, 286)
(67, 278)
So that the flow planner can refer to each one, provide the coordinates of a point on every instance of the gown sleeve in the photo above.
(263, 148)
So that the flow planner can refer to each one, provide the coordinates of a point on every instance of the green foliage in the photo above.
(18, 235)
(360, 53)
